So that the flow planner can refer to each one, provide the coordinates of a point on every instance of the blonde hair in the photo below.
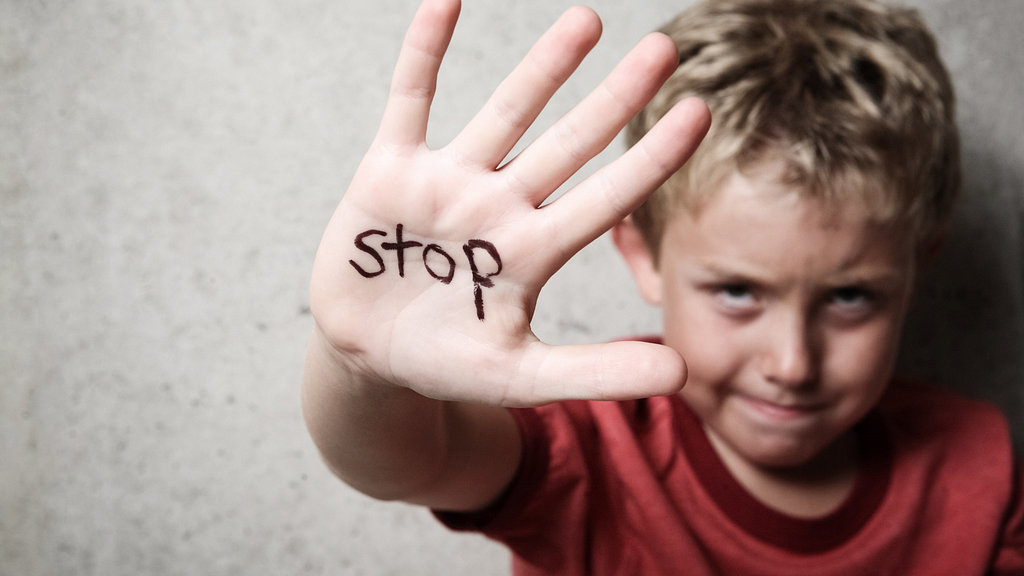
(850, 94)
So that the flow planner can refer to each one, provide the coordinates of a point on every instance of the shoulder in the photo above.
(569, 448)
(954, 464)
(932, 428)
(588, 438)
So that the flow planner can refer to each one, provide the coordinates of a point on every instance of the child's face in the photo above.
(788, 316)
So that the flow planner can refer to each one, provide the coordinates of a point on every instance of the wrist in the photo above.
(327, 364)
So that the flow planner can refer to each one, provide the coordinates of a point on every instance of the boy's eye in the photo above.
(851, 300)
(850, 295)
(735, 295)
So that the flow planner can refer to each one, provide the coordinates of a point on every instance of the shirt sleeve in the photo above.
(544, 513)
(533, 465)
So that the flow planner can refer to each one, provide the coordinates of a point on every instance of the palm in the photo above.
(429, 270)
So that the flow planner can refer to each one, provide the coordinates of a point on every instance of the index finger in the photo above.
(609, 195)
(415, 77)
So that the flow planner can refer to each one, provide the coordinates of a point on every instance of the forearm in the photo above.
(394, 444)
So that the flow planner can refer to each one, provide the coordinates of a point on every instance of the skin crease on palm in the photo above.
(788, 314)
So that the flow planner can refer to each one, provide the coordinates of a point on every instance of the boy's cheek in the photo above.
(711, 346)
(866, 359)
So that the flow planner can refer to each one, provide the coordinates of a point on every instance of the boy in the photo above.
(783, 255)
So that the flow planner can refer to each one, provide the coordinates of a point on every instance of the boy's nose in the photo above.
(790, 356)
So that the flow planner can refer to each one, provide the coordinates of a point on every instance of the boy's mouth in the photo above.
(778, 411)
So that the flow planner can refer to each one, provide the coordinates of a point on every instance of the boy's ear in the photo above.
(927, 252)
(630, 243)
(930, 249)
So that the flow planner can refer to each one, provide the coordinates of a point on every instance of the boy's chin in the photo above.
(785, 459)
(803, 454)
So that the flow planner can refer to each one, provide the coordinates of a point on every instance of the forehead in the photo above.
(754, 225)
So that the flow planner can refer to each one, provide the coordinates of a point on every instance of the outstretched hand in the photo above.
(429, 270)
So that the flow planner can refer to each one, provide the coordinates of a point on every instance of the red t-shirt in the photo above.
(635, 488)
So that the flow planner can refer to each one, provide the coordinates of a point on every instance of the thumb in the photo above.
(613, 371)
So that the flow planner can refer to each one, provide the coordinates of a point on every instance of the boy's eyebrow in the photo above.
(719, 270)
(873, 276)
(866, 274)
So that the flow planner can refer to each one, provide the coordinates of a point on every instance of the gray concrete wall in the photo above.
(166, 170)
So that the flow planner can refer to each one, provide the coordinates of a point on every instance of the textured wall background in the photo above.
(166, 170)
